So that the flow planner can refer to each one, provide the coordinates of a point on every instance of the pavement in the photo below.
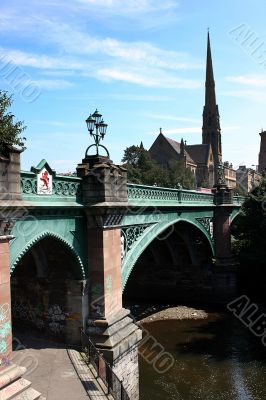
(56, 371)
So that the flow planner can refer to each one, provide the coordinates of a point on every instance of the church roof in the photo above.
(198, 152)
(176, 146)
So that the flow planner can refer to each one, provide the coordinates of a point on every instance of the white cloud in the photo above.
(64, 165)
(106, 58)
(173, 118)
(118, 97)
(77, 42)
(148, 79)
(131, 7)
(55, 123)
(231, 128)
(182, 130)
(178, 131)
(59, 72)
(121, 70)
(137, 97)
(191, 130)
(251, 80)
(119, 13)
(52, 84)
(251, 95)
(26, 59)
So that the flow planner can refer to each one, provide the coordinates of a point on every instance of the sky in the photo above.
(141, 63)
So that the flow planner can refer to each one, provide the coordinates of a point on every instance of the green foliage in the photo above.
(239, 190)
(205, 184)
(180, 174)
(10, 130)
(249, 228)
(142, 169)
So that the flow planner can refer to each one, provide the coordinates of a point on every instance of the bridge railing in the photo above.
(239, 200)
(69, 187)
(103, 370)
(63, 186)
(166, 196)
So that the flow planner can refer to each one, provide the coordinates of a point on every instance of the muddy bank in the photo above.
(176, 313)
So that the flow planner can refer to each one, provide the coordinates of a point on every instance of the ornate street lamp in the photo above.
(97, 129)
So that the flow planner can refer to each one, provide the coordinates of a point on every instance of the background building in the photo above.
(247, 178)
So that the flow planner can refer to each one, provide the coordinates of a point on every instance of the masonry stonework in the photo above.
(126, 368)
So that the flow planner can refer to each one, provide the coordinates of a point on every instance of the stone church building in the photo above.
(202, 159)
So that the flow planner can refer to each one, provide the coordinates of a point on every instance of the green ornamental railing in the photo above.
(64, 187)
(239, 199)
(137, 193)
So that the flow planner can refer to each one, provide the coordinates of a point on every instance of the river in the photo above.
(216, 358)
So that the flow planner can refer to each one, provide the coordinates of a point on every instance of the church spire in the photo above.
(210, 98)
(211, 131)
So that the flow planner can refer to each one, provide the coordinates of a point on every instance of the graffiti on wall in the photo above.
(56, 318)
(52, 319)
(5, 332)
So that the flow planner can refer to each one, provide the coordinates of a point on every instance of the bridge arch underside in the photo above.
(47, 291)
(176, 266)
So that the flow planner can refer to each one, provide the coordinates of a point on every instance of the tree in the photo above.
(182, 175)
(249, 233)
(142, 169)
(10, 130)
(249, 229)
(239, 190)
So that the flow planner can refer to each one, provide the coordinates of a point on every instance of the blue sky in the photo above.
(141, 63)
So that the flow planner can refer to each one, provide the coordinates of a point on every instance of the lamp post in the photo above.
(97, 129)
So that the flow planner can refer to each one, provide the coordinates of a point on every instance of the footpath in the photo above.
(57, 372)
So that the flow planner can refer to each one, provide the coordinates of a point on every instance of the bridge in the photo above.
(71, 245)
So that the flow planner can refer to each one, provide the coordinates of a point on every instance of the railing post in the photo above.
(180, 196)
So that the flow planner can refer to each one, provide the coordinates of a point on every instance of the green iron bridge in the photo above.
(71, 245)
(150, 211)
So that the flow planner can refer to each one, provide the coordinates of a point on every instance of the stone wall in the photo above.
(10, 174)
(127, 369)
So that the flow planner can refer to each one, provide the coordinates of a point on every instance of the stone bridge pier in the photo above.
(9, 197)
(110, 326)
(225, 264)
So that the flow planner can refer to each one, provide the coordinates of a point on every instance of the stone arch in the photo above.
(149, 235)
(48, 234)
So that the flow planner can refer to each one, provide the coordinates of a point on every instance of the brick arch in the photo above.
(148, 236)
(47, 234)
